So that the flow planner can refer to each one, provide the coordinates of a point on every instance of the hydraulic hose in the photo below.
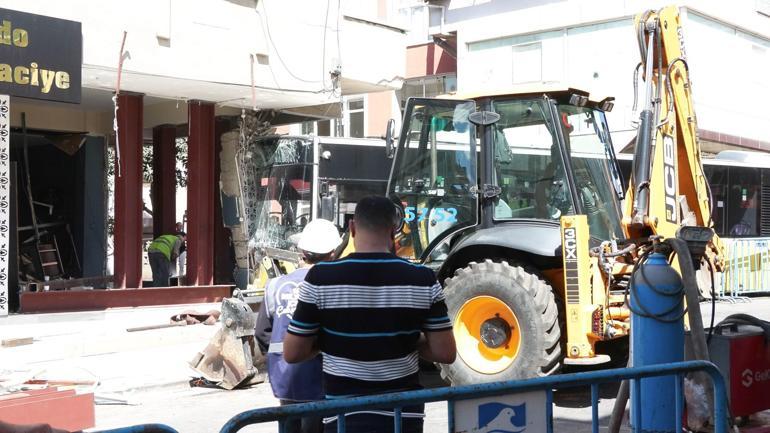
(692, 296)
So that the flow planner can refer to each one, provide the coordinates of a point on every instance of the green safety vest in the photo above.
(163, 244)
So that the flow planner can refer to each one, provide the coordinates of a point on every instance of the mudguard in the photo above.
(530, 237)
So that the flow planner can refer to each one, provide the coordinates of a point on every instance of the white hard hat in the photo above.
(319, 236)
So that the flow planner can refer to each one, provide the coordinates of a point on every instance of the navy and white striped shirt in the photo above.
(368, 310)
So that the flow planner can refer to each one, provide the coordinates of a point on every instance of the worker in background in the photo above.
(162, 254)
(294, 383)
(371, 315)
(178, 268)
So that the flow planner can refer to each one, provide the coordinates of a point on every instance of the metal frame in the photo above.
(452, 394)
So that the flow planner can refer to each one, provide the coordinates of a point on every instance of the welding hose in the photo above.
(692, 296)
(745, 319)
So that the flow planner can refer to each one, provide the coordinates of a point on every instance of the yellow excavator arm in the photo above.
(668, 187)
(667, 191)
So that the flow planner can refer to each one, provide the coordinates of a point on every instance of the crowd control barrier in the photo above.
(457, 398)
(747, 268)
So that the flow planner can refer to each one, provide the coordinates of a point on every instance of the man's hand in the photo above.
(297, 349)
(29, 428)
(438, 346)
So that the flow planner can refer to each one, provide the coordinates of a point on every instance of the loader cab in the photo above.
(482, 184)
(549, 155)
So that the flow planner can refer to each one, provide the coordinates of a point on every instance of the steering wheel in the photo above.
(304, 215)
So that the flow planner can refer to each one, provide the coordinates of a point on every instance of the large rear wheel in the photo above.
(506, 324)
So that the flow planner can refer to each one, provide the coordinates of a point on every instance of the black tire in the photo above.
(532, 301)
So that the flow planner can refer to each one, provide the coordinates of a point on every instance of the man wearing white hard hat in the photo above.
(294, 383)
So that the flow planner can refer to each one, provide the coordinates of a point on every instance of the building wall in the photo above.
(380, 110)
(202, 49)
(599, 58)
(428, 59)
(592, 44)
(60, 117)
(729, 68)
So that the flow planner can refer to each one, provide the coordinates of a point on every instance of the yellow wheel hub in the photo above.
(487, 334)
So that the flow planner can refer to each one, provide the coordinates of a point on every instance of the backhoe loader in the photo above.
(515, 200)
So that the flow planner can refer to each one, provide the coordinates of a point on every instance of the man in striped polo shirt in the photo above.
(372, 315)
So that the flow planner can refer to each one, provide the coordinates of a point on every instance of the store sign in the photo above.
(40, 57)
(512, 413)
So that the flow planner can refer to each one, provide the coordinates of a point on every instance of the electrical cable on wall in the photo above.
(338, 66)
(323, 44)
(123, 56)
(277, 53)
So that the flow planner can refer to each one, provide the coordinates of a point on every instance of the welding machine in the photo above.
(740, 348)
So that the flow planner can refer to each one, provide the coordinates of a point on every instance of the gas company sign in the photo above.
(40, 57)
(510, 413)
(750, 377)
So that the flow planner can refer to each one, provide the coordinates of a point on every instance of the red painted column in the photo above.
(200, 193)
(163, 179)
(128, 193)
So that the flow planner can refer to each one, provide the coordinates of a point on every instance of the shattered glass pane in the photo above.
(276, 175)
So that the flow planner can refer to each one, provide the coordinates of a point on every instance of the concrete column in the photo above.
(163, 179)
(200, 193)
(128, 193)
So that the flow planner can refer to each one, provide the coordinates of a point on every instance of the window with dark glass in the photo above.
(355, 120)
(743, 197)
(427, 87)
(736, 200)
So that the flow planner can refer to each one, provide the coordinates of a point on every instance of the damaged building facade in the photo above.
(114, 132)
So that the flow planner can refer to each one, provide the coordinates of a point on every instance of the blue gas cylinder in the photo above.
(657, 337)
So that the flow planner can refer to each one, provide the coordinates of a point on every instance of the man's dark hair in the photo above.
(313, 258)
(376, 213)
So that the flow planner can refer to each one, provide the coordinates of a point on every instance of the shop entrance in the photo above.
(60, 208)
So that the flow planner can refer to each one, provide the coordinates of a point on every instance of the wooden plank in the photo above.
(68, 412)
(59, 382)
(90, 300)
(13, 342)
(28, 393)
(160, 326)
(25, 397)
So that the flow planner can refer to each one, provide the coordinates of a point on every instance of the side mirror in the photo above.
(390, 138)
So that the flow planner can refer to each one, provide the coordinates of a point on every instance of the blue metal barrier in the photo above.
(452, 394)
(144, 428)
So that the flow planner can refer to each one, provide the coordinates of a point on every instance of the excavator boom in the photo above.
(667, 147)
(668, 187)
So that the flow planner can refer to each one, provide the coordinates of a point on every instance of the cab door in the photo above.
(434, 180)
